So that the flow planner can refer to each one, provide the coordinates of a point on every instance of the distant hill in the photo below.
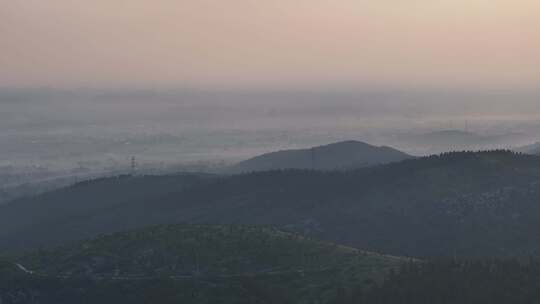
(341, 155)
(456, 140)
(463, 204)
(194, 264)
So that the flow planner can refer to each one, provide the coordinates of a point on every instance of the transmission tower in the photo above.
(133, 165)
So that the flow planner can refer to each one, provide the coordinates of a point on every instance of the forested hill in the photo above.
(341, 155)
(487, 281)
(192, 264)
(85, 199)
(199, 250)
(464, 204)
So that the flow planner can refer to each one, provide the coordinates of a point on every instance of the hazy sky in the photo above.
(246, 43)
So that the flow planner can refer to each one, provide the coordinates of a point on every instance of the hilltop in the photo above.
(197, 250)
(341, 155)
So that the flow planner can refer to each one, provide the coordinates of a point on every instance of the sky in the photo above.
(274, 43)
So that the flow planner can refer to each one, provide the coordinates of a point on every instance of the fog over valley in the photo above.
(50, 135)
(217, 125)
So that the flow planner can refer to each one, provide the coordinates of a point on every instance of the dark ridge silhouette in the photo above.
(460, 203)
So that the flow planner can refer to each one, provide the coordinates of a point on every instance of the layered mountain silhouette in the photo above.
(341, 155)
(462, 204)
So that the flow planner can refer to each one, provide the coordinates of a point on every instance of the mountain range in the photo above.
(455, 204)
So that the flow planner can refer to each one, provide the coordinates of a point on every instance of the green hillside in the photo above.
(197, 250)
(197, 264)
